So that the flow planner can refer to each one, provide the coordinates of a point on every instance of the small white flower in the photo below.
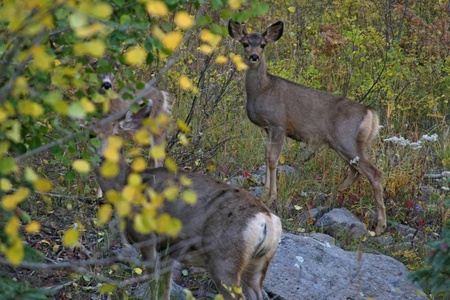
(445, 188)
(430, 138)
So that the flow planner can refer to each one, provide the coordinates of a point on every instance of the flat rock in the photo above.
(306, 268)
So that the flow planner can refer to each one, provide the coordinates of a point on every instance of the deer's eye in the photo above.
(263, 45)
(245, 45)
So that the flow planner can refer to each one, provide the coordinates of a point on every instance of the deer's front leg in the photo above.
(274, 146)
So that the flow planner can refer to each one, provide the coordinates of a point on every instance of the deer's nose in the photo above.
(106, 85)
(254, 57)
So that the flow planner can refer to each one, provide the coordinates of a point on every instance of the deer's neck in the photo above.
(256, 80)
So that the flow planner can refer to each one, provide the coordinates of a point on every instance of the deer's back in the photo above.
(306, 114)
(219, 215)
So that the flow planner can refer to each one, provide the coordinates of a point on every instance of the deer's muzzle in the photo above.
(106, 85)
(254, 58)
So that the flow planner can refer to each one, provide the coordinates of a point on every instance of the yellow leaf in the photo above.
(171, 165)
(185, 181)
(144, 223)
(210, 38)
(112, 196)
(172, 40)
(234, 4)
(4, 146)
(206, 49)
(30, 108)
(115, 141)
(102, 10)
(90, 30)
(221, 60)
(184, 20)
(291, 9)
(15, 253)
(211, 168)
(95, 48)
(5, 185)
(157, 9)
(20, 86)
(42, 60)
(88, 106)
(134, 179)
(111, 154)
(109, 169)
(104, 214)
(171, 192)
(133, 152)
(183, 139)
(70, 237)
(139, 164)
(9, 202)
(142, 137)
(174, 228)
(13, 131)
(240, 65)
(282, 159)
(237, 289)
(12, 227)
(138, 271)
(42, 185)
(33, 227)
(189, 196)
(163, 223)
(81, 166)
(183, 126)
(3, 115)
(158, 152)
(158, 33)
(123, 208)
(135, 56)
(185, 82)
(57, 62)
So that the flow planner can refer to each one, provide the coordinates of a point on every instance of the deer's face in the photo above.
(107, 79)
(253, 44)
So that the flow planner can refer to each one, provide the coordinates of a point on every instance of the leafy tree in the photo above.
(46, 85)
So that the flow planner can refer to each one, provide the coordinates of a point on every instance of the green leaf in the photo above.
(76, 110)
(96, 142)
(7, 165)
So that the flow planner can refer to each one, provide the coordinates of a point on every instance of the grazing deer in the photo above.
(284, 108)
(160, 104)
(228, 231)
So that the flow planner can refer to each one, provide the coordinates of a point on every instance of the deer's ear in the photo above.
(274, 32)
(236, 30)
(133, 120)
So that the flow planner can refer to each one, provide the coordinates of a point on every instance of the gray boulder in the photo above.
(340, 220)
(306, 268)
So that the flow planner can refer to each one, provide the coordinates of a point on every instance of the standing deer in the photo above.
(284, 108)
(228, 231)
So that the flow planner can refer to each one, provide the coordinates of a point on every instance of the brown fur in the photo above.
(228, 231)
(284, 108)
